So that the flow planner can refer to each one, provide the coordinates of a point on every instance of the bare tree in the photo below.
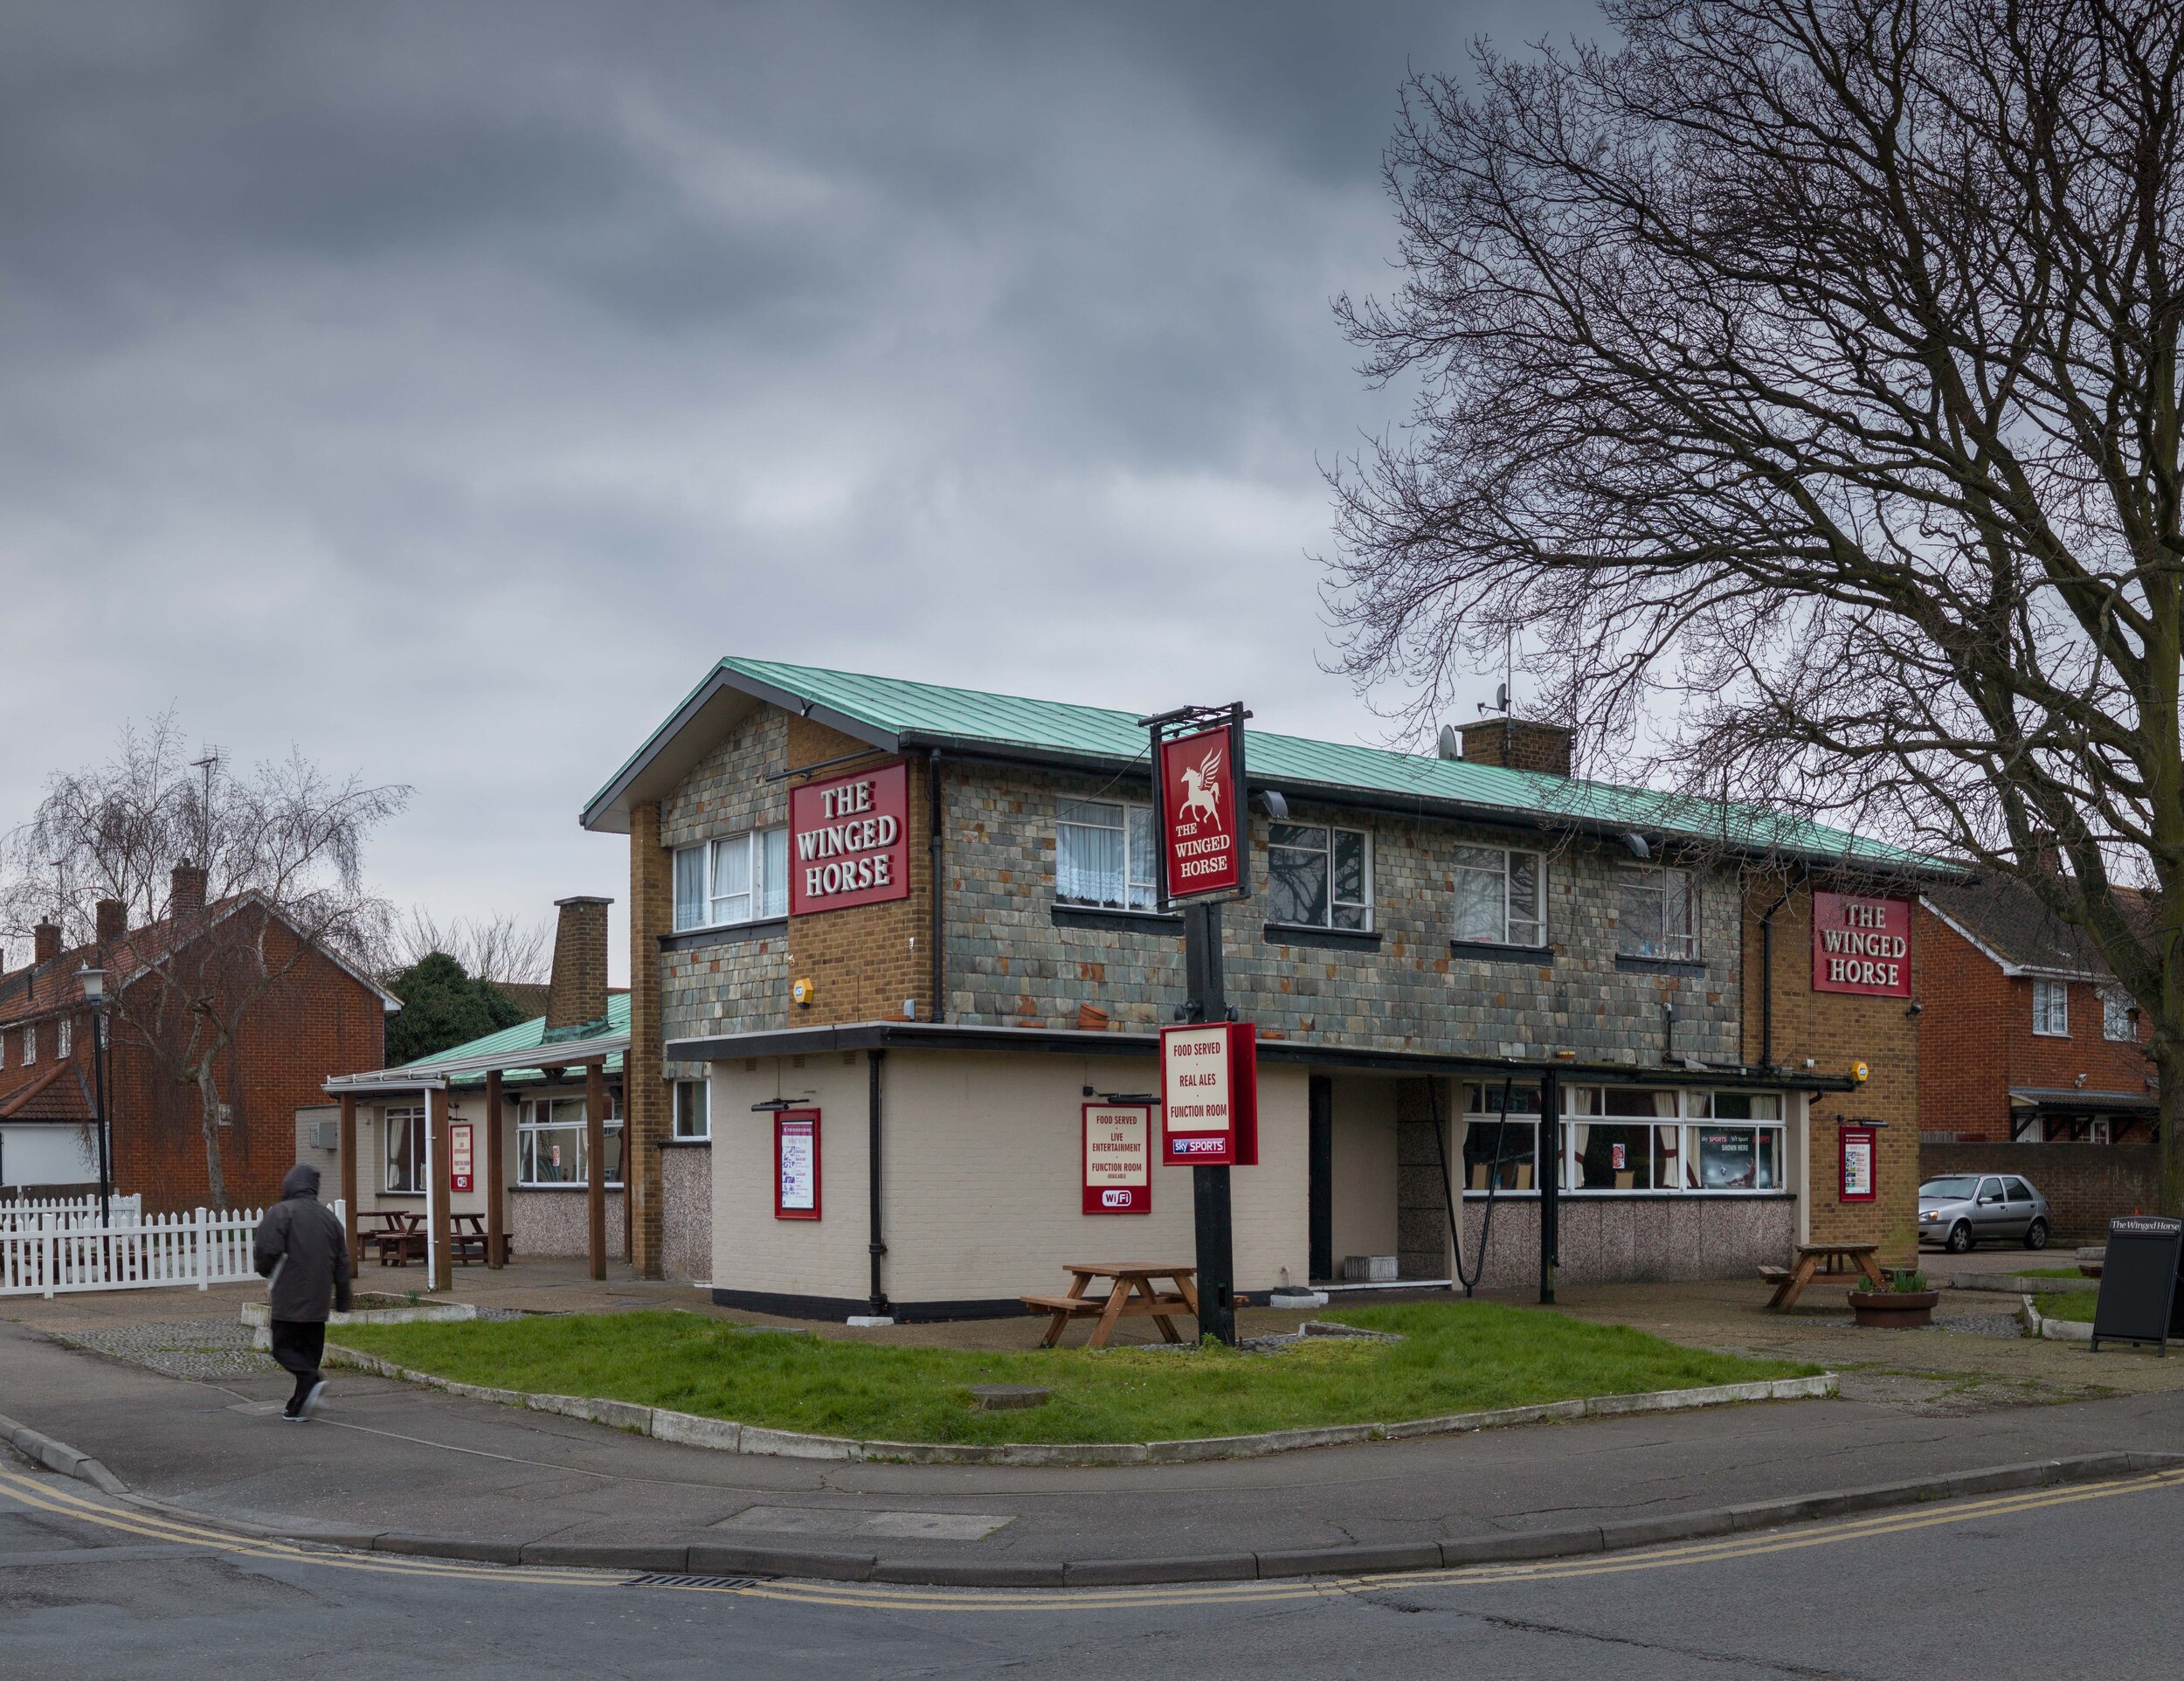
(499, 947)
(280, 852)
(1799, 380)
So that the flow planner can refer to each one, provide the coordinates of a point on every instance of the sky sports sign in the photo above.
(1862, 945)
(1209, 1094)
(849, 840)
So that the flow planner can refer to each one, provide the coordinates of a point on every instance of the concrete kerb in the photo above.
(710, 1558)
(2061, 1330)
(725, 1436)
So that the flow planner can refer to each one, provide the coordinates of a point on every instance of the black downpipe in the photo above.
(932, 842)
(878, 1304)
(1448, 1196)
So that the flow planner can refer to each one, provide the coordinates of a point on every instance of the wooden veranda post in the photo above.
(496, 1237)
(595, 1161)
(348, 1139)
(435, 1189)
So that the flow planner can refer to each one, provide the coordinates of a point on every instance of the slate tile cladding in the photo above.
(1008, 961)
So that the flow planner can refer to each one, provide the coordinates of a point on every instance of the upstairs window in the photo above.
(1656, 914)
(1104, 856)
(741, 879)
(1318, 877)
(2052, 1008)
(1500, 896)
(65, 1038)
(2117, 1014)
(30, 1045)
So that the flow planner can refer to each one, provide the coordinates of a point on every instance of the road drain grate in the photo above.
(659, 1580)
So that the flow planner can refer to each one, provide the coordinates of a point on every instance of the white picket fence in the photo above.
(63, 1255)
(18, 1213)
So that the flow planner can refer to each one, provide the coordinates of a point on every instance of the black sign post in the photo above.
(2139, 1301)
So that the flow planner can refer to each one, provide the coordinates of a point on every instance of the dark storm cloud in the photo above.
(443, 387)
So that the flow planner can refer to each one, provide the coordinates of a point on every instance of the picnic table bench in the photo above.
(1134, 1295)
(1789, 1282)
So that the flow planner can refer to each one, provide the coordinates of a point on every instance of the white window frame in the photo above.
(528, 1125)
(411, 1118)
(1512, 924)
(1674, 948)
(64, 1036)
(768, 900)
(1363, 907)
(701, 1089)
(2116, 1025)
(2052, 1008)
(1141, 883)
(30, 1044)
(1694, 1112)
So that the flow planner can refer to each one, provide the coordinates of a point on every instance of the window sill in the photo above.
(2045, 1033)
(1486, 952)
(1631, 965)
(612, 1185)
(686, 1144)
(1333, 939)
(725, 934)
(1643, 1196)
(1088, 916)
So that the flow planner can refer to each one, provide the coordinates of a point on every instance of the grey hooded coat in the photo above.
(302, 1248)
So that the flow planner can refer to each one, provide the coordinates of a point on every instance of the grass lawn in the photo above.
(1456, 1356)
(2073, 1304)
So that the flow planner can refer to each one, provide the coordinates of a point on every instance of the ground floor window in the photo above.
(691, 1118)
(405, 1150)
(1626, 1139)
(551, 1147)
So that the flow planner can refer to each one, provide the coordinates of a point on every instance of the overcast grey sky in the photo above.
(442, 388)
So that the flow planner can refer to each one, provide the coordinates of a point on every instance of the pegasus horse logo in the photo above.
(1201, 789)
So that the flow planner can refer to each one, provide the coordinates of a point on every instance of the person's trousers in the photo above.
(299, 1345)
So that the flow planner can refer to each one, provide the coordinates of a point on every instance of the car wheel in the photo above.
(1960, 1237)
(2036, 1234)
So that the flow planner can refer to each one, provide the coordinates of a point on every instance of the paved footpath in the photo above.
(388, 1458)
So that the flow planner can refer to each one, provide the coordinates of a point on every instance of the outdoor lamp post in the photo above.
(94, 982)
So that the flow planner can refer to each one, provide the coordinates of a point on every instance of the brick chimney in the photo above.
(577, 994)
(1518, 744)
(44, 942)
(113, 920)
(187, 892)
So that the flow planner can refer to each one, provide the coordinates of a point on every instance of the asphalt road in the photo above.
(2054, 1582)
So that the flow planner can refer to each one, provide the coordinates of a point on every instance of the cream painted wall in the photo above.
(981, 1177)
(1364, 1168)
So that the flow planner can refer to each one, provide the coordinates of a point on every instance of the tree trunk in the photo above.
(2171, 1153)
(208, 1099)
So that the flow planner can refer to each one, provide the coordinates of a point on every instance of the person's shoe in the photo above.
(287, 1417)
(311, 1400)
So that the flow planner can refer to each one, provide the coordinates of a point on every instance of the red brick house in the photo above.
(320, 1014)
(2023, 1035)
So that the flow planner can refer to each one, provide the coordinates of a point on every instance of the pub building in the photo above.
(902, 947)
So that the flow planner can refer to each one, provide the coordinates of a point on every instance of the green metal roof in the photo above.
(524, 1035)
(906, 713)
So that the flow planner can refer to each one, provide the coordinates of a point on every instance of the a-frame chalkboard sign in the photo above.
(2139, 1301)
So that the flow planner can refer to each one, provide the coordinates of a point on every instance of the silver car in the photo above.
(1957, 1210)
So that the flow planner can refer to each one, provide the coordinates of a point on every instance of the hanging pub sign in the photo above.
(1118, 1158)
(849, 840)
(1209, 1094)
(459, 1165)
(1857, 1146)
(1199, 778)
(795, 1164)
(1862, 945)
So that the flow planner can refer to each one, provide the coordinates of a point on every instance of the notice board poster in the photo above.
(796, 1164)
(1200, 788)
(1862, 945)
(1209, 1094)
(458, 1170)
(1857, 1146)
(1118, 1158)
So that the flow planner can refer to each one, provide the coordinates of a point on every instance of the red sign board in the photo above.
(1202, 851)
(459, 1169)
(1858, 1147)
(1118, 1158)
(795, 1164)
(1209, 1091)
(1862, 945)
(849, 840)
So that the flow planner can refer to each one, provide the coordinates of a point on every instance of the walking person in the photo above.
(302, 1251)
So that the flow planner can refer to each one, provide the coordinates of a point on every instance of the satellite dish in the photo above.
(1451, 742)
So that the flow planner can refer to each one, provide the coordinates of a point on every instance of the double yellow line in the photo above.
(44, 1496)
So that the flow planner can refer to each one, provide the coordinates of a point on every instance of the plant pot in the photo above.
(1894, 1309)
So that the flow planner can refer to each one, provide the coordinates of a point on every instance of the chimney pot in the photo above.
(577, 994)
(1518, 744)
(187, 891)
(44, 942)
(113, 920)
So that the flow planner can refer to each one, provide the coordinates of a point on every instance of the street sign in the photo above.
(1118, 1158)
(1199, 781)
(1209, 1090)
(2140, 1302)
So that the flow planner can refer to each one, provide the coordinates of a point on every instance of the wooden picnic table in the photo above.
(401, 1237)
(1135, 1294)
(1789, 1282)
